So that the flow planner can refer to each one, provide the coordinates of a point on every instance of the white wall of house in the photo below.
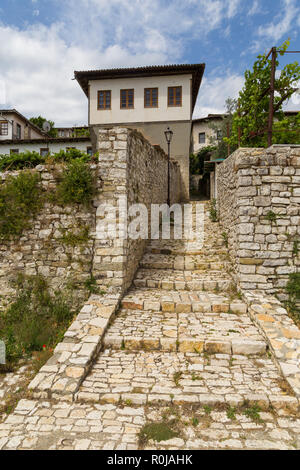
(203, 127)
(36, 147)
(139, 113)
(27, 132)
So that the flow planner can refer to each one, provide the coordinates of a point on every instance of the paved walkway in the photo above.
(182, 355)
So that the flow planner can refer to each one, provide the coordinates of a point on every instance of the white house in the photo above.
(150, 99)
(15, 126)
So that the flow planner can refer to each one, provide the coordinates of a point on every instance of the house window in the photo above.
(104, 99)
(89, 151)
(44, 152)
(151, 98)
(202, 138)
(3, 128)
(219, 134)
(175, 96)
(14, 151)
(18, 131)
(127, 99)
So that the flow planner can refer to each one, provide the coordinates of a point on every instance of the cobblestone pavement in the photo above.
(181, 356)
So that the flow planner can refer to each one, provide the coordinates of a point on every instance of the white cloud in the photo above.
(36, 12)
(255, 9)
(283, 22)
(37, 63)
(215, 91)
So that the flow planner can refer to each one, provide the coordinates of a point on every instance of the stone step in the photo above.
(164, 378)
(189, 263)
(185, 332)
(181, 302)
(169, 279)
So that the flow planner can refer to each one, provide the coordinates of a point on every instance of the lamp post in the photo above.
(169, 135)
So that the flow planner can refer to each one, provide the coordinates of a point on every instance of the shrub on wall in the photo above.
(20, 198)
(35, 319)
(76, 185)
(293, 291)
(19, 161)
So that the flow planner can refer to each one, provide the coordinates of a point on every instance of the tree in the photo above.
(222, 130)
(39, 121)
(197, 160)
(252, 116)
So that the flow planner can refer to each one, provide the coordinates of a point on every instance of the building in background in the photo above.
(14, 126)
(149, 99)
(203, 134)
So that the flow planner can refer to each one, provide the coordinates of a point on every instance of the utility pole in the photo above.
(272, 93)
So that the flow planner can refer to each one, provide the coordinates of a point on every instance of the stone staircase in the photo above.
(183, 336)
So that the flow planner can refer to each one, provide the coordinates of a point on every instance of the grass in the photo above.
(76, 185)
(207, 409)
(252, 412)
(35, 320)
(293, 292)
(176, 377)
(20, 199)
(231, 413)
(213, 213)
(80, 237)
(157, 432)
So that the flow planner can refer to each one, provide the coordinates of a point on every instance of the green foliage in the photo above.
(81, 132)
(225, 238)
(39, 121)
(296, 248)
(20, 198)
(224, 128)
(157, 432)
(253, 412)
(197, 160)
(76, 185)
(19, 161)
(176, 377)
(73, 239)
(35, 318)
(231, 411)
(32, 159)
(254, 103)
(271, 216)
(91, 285)
(213, 212)
(293, 291)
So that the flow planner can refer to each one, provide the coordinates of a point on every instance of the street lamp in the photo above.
(169, 135)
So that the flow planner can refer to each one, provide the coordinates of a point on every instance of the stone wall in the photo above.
(133, 172)
(258, 193)
(42, 248)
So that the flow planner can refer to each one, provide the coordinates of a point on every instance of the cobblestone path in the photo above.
(181, 354)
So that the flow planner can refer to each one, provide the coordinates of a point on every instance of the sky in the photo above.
(44, 41)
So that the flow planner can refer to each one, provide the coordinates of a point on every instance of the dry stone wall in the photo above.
(258, 193)
(133, 172)
(43, 250)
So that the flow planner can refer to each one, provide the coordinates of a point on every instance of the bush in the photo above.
(19, 201)
(76, 185)
(293, 291)
(35, 318)
(19, 161)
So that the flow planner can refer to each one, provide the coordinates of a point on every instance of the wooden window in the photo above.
(151, 98)
(127, 99)
(14, 151)
(202, 138)
(3, 128)
(44, 152)
(175, 96)
(104, 99)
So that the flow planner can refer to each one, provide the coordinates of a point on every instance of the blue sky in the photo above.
(44, 41)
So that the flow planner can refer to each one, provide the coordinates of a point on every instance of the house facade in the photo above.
(149, 99)
(15, 126)
(45, 146)
(203, 134)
